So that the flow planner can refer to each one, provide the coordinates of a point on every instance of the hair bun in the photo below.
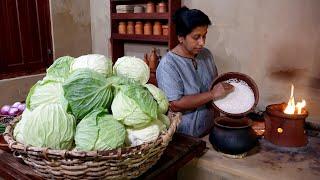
(178, 14)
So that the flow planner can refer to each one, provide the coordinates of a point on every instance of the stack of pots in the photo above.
(232, 133)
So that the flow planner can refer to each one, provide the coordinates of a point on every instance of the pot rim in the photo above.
(276, 110)
(247, 125)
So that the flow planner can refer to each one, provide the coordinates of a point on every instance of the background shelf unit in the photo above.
(141, 38)
(118, 40)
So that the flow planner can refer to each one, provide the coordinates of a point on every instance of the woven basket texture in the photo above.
(121, 163)
(5, 120)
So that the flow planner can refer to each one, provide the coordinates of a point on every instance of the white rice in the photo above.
(238, 101)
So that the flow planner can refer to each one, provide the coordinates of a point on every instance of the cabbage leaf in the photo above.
(87, 90)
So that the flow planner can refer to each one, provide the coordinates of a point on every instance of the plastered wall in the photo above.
(71, 27)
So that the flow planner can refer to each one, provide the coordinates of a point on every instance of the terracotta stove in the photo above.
(285, 129)
(285, 123)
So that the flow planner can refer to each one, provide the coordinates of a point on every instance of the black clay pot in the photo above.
(233, 136)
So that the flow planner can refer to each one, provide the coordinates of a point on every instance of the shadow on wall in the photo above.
(293, 64)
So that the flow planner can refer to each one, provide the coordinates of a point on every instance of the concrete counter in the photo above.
(266, 162)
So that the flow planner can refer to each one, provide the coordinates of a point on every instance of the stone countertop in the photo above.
(266, 161)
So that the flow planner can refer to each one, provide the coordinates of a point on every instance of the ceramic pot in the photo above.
(130, 27)
(162, 7)
(232, 136)
(122, 28)
(157, 29)
(138, 29)
(147, 28)
(150, 7)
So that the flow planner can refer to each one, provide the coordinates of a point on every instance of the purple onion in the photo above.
(5, 110)
(13, 111)
(16, 104)
(22, 107)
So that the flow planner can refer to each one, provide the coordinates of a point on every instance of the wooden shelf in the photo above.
(137, 37)
(118, 40)
(139, 16)
(129, 1)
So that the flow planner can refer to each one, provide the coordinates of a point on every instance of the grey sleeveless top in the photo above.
(177, 77)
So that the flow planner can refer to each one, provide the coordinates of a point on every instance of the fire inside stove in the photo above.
(285, 123)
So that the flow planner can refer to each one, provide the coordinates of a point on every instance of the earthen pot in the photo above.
(245, 78)
(233, 136)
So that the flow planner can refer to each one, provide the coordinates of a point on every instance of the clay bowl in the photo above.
(243, 77)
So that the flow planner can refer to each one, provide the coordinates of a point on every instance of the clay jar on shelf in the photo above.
(150, 7)
(157, 29)
(138, 28)
(130, 27)
(147, 28)
(165, 30)
(122, 29)
(162, 7)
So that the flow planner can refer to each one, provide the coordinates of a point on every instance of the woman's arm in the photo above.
(191, 102)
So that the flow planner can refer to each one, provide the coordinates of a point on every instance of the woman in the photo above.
(186, 73)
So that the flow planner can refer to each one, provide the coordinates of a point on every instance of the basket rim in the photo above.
(164, 138)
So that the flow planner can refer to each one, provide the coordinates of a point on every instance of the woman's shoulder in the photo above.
(168, 59)
(206, 52)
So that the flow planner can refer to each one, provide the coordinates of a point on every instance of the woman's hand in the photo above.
(220, 90)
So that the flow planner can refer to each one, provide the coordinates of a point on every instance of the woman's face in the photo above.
(195, 40)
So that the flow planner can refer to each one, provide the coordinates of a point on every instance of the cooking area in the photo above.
(127, 89)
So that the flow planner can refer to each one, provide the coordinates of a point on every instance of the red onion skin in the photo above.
(13, 111)
(16, 104)
(5, 110)
(22, 107)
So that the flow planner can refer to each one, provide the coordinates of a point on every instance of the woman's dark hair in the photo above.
(187, 19)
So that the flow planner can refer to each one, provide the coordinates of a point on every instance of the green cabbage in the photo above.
(99, 131)
(150, 132)
(18, 129)
(164, 119)
(87, 90)
(160, 97)
(96, 62)
(60, 69)
(134, 106)
(46, 92)
(49, 125)
(132, 67)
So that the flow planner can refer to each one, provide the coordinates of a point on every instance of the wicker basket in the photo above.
(5, 120)
(128, 162)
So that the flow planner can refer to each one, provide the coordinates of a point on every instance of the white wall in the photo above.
(71, 27)
(100, 27)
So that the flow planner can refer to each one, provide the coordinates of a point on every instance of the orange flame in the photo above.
(291, 107)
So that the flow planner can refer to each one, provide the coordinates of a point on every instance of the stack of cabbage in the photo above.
(86, 104)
